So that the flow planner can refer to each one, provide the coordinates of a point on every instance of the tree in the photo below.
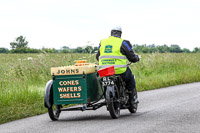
(66, 49)
(140, 48)
(185, 50)
(196, 50)
(144, 49)
(79, 50)
(152, 48)
(20, 42)
(3, 50)
(89, 49)
(163, 48)
(95, 50)
(49, 50)
(175, 49)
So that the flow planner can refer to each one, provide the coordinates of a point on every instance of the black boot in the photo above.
(133, 100)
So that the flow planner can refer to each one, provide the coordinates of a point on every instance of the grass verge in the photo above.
(23, 77)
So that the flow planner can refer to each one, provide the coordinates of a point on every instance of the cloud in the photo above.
(52, 23)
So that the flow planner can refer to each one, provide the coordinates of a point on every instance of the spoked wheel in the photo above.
(114, 109)
(134, 108)
(54, 112)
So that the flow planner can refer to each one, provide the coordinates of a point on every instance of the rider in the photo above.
(115, 51)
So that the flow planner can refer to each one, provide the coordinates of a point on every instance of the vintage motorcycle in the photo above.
(86, 88)
(115, 92)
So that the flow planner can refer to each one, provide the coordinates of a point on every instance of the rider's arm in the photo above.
(126, 49)
(98, 53)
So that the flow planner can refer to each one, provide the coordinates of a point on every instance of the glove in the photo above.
(139, 57)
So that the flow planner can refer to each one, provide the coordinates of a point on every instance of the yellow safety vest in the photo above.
(110, 55)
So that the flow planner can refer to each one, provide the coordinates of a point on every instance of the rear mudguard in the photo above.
(48, 98)
(110, 90)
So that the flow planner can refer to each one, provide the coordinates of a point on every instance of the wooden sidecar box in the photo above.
(77, 84)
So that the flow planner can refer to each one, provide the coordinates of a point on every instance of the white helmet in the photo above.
(117, 28)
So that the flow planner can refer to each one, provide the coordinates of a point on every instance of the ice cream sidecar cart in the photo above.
(73, 85)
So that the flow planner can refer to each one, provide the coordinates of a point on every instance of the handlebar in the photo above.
(128, 64)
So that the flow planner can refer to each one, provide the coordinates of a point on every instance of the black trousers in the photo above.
(129, 79)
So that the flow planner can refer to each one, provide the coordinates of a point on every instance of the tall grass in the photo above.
(23, 77)
(22, 82)
(162, 70)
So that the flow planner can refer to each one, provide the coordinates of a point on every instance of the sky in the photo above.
(73, 23)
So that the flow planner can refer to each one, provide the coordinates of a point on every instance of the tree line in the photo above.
(174, 48)
(20, 45)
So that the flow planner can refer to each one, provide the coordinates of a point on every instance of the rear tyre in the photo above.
(54, 112)
(114, 109)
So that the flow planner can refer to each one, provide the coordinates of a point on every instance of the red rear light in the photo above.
(108, 71)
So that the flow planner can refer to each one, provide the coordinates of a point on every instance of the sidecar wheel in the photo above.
(54, 112)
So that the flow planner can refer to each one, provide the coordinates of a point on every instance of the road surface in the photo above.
(167, 110)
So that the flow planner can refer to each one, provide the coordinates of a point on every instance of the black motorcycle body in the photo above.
(116, 95)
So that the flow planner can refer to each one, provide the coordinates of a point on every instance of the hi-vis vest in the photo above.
(110, 55)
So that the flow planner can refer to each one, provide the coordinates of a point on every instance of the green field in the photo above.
(23, 77)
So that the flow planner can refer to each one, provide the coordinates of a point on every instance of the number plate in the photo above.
(106, 81)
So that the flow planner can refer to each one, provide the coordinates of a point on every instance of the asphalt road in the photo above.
(167, 110)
